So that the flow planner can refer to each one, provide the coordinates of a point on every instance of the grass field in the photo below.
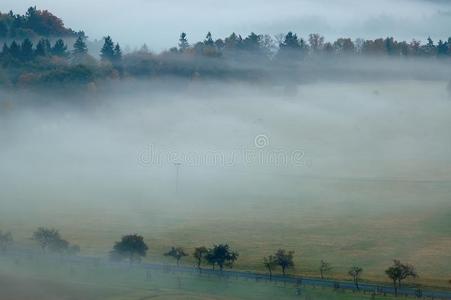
(375, 185)
(37, 278)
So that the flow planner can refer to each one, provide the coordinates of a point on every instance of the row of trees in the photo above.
(26, 51)
(133, 249)
(33, 24)
(293, 46)
(257, 46)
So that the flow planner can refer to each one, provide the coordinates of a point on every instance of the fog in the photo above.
(137, 21)
(233, 141)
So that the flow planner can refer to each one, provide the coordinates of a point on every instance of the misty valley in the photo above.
(256, 167)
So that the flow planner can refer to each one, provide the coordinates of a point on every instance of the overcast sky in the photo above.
(159, 22)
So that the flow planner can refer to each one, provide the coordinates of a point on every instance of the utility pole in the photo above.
(177, 175)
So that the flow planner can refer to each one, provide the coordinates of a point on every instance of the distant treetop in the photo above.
(33, 24)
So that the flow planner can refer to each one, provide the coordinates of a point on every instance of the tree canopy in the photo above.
(131, 247)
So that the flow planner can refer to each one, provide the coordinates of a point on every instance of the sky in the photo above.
(158, 23)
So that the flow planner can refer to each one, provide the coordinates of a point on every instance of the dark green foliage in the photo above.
(107, 51)
(60, 49)
(117, 56)
(14, 50)
(80, 47)
(130, 247)
(26, 50)
(3, 29)
(221, 255)
(72, 75)
(442, 48)
(284, 259)
(183, 42)
(43, 48)
(5, 51)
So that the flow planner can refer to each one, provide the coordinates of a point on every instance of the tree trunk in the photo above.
(283, 271)
(270, 274)
(395, 287)
(321, 271)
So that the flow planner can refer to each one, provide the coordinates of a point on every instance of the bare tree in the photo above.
(324, 268)
(398, 272)
(270, 262)
(284, 259)
(176, 252)
(355, 272)
(199, 254)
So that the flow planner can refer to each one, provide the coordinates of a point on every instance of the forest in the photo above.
(39, 51)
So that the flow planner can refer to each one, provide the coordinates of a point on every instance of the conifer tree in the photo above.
(107, 51)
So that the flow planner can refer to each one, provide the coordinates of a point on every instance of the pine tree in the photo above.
(14, 50)
(26, 50)
(43, 48)
(183, 42)
(107, 52)
(117, 53)
(3, 29)
(5, 50)
(209, 40)
(80, 48)
(59, 49)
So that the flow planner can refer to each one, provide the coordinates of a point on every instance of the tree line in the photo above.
(46, 58)
(133, 248)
